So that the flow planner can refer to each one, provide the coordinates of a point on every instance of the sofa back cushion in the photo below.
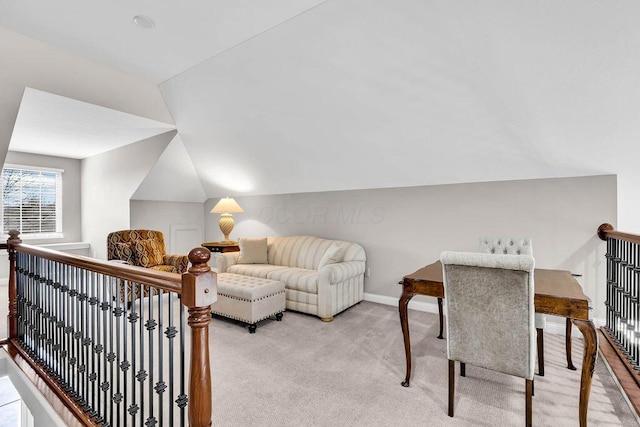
(307, 251)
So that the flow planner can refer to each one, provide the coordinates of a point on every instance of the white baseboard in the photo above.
(553, 326)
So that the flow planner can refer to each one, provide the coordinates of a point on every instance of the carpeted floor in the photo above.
(303, 372)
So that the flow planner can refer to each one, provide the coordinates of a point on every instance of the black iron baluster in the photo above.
(84, 329)
(141, 374)
(120, 357)
(96, 349)
(150, 326)
(160, 385)
(182, 399)
(133, 408)
(170, 334)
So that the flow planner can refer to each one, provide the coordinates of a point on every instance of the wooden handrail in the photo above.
(606, 230)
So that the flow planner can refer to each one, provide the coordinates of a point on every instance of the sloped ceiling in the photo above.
(173, 178)
(284, 96)
(361, 94)
(185, 33)
(59, 126)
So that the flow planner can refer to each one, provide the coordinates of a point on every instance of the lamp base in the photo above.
(226, 225)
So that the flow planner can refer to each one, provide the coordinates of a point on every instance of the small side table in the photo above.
(220, 247)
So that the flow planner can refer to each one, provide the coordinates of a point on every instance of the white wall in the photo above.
(403, 229)
(182, 218)
(108, 182)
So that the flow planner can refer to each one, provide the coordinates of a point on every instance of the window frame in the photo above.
(59, 190)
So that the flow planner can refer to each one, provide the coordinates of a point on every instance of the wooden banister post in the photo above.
(199, 291)
(14, 238)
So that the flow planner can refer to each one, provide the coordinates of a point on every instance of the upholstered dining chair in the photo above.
(482, 289)
(507, 245)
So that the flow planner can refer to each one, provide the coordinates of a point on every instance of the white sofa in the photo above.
(314, 282)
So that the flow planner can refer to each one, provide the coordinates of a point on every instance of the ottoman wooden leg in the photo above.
(252, 328)
(279, 316)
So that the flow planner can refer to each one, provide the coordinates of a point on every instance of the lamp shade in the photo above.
(227, 205)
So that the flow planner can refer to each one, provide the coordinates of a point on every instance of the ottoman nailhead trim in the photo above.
(244, 320)
(252, 300)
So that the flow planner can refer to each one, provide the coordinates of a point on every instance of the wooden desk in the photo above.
(221, 247)
(557, 293)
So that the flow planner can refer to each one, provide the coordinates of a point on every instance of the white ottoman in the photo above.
(249, 299)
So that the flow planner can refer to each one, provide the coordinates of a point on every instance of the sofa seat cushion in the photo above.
(254, 270)
(299, 279)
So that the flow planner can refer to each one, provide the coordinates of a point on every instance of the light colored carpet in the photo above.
(303, 372)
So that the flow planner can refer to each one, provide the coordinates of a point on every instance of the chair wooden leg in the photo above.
(540, 351)
(568, 330)
(529, 393)
(441, 316)
(452, 381)
(463, 369)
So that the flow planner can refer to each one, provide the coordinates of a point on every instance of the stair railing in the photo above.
(112, 340)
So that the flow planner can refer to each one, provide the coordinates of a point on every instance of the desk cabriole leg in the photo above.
(589, 356)
(568, 345)
(441, 316)
(404, 322)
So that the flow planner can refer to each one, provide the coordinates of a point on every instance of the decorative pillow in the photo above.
(148, 253)
(334, 254)
(124, 252)
(253, 251)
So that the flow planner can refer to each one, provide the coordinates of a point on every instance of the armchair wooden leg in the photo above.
(540, 351)
(529, 393)
(452, 381)
(463, 369)
(568, 330)
(441, 316)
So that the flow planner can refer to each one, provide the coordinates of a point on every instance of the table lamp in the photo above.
(225, 207)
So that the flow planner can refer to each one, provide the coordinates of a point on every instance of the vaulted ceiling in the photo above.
(294, 96)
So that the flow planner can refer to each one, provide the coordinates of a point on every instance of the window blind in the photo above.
(31, 200)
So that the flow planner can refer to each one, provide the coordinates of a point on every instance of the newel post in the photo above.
(199, 291)
(14, 238)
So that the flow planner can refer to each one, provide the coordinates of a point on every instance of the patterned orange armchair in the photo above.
(144, 248)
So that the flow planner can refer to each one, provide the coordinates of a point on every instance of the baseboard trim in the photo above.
(553, 326)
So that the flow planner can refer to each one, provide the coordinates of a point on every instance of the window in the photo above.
(32, 201)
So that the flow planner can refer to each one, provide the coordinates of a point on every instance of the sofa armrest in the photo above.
(226, 260)
(341, 271)
(180, 262)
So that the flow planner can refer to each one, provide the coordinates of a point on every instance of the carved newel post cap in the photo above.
(14, 235)
(603, 229)
(199, 257)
